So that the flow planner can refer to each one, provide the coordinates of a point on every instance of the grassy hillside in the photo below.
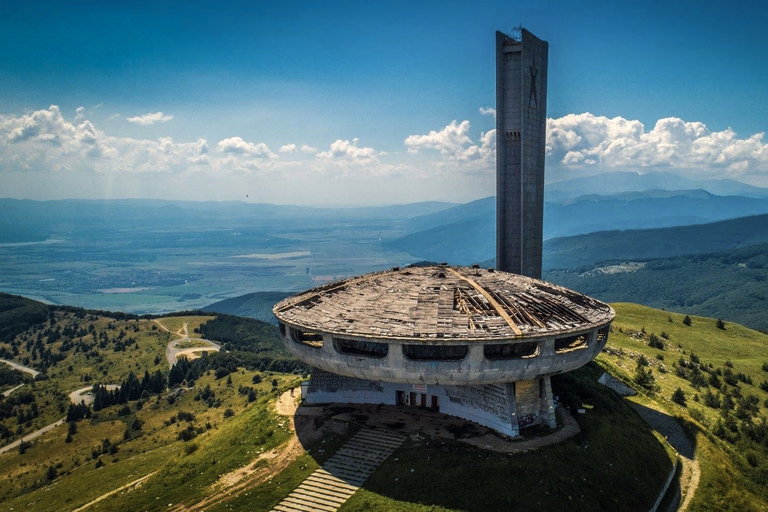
(732, 285)
(157, 416)
(216, 424)
(722, 375)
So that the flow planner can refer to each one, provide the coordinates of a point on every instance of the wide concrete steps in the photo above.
(339, 477)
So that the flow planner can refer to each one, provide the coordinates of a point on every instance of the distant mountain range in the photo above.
(730, 284)
(466, 233)
(617, 182)
(253, 305)
(576, 252)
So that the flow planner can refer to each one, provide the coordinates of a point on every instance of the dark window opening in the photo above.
(310, 339)
(282, 328)
(571, 343)
(361, 348)
(602, 334)
(436, 352)
(511, 350)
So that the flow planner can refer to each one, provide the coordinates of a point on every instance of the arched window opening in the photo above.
(361, 348)
(570, 343)
(435, 352)
(310, 339)
(523, 350)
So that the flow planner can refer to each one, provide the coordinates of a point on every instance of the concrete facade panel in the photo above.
(521, 97)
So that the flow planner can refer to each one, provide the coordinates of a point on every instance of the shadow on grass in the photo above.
(615, 463)
(669, 427)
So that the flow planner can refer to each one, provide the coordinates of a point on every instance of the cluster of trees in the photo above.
(130, 389)
(254, 344)
(20, 404)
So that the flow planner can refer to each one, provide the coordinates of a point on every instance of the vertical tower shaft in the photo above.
(521, 130)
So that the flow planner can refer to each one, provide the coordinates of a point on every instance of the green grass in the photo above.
(615, 450)
(228, 444)
(728, 481)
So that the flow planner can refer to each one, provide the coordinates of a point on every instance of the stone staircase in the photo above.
(339, 477)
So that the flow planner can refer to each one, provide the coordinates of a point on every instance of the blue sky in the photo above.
(355, 102)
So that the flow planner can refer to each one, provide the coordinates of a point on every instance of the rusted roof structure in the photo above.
(441, 303)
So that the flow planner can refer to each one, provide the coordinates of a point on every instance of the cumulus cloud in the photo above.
(288, 148)
(349, 152)
(308, 149)
(454, 144)
(150, 118)
(589, 140)
(79, 113)
(488, 111)
(236, 145)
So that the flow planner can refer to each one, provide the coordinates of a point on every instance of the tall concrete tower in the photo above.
(521, 130)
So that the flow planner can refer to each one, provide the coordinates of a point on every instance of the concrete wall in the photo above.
(521, 115)
(489, 405)
(474, 369)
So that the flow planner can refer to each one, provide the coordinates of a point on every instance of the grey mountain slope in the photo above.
(465, 234)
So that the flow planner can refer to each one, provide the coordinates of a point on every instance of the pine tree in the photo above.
(679, 397)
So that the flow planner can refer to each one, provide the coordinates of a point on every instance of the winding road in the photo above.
(173, 352)
(21, 368)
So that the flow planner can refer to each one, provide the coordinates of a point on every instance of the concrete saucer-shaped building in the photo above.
(474, 343)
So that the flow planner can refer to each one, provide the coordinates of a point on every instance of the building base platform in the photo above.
(505, 408)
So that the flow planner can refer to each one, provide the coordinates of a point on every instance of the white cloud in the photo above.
(617, 143)
(46, 143)
(237, 146)
(349, 152)
(114, 116)
(79, 113)
(454, 144)
(488, 111)
(151, 118)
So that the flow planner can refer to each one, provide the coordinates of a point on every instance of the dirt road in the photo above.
(20, 367)
(172, 350)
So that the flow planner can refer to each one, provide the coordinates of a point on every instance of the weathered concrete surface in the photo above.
(521, 116)
(609, 381)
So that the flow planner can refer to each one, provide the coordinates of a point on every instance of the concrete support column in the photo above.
(547, 413)
(512, 409)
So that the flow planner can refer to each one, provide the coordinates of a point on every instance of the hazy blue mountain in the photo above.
(253, 305)
(616, 182)
(645, 210)
(731, 284)
(581, 251)
(480, 208)
(465, 234)
(25, 220)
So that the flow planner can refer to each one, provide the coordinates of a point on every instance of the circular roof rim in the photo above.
(591, 313)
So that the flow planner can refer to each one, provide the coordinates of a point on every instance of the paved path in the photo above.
(668, 427)
(130, 485)
(75, 397)
(173, 352)
(8, 392)
(21, 367)
(29, 437)
(328, 487)
(86, 394)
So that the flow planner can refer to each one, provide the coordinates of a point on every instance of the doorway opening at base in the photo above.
(414, 399)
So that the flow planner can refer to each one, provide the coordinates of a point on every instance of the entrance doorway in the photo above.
(414, 399)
